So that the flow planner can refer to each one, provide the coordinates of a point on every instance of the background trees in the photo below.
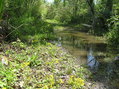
(101, 15)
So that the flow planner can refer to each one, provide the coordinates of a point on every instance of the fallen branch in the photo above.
(87, 25)
(15, 28)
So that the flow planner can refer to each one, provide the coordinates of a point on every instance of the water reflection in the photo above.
(79, 46)
(91, 61)
(93, 52)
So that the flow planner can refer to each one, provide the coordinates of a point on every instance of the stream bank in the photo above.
(39, 66)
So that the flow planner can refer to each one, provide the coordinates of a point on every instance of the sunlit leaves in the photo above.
(75, 82)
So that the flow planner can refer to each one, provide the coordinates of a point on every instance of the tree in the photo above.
(108, 9)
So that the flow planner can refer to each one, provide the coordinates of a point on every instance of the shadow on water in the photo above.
(96, 54)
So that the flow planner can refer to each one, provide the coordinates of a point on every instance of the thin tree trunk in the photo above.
(64, 1)
(91, 5)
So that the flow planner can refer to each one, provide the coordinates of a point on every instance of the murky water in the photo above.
(93, 52)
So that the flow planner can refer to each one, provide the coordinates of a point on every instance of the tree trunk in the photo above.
(91, 5)
(108, 8)
(64, 1)
(92, 9)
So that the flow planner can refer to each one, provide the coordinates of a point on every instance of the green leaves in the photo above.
(7, 76)
(2, 84)
(112, 35)
(1, 8)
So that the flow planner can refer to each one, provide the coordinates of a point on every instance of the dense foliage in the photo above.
(23, 19)
(113, 24)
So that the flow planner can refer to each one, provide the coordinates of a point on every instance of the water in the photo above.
(93, 52)
(91, 61)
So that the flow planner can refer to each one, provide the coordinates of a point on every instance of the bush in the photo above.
(24, 19)
(113, 34)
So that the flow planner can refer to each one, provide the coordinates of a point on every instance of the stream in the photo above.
(96, 54)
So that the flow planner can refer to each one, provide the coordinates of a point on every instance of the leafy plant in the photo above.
(112, 35)
(75, 82)
(7, 76)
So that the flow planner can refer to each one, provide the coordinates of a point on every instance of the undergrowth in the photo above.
(39, 67)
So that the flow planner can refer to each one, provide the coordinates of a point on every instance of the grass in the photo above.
(57, 26)
(39, 67)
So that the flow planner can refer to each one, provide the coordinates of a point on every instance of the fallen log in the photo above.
(87, 25)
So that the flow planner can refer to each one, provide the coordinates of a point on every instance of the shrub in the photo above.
(113, 34)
